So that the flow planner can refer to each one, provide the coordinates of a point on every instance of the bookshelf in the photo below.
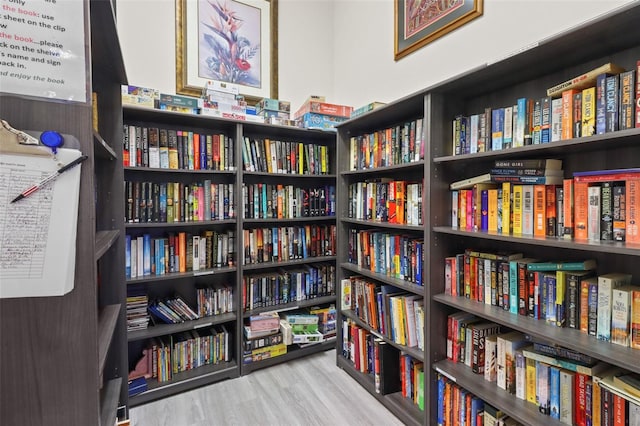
(609, 38)
(359, 222)
(72, 372)
(231, 275)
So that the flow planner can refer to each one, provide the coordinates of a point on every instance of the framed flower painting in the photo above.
(229, 41)
(418, 22)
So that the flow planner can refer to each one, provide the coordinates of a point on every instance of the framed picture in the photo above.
(230, 41)
(418, 22)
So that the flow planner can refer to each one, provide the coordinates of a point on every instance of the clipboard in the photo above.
(37, 233)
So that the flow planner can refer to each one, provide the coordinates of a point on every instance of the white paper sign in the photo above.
(42, 49)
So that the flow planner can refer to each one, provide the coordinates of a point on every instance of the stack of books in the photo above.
(316, 113)
(140, 96)
(275, 111)
(220, 99)
(263, 338)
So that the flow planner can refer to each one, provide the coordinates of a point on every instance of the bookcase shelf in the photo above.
(181, 275)
(322, 300)
(413, 351)
(109, 397)
(107, 320)
(185, 381)
(377, 224)
(415, 165)
(590, 246)
(522, 411)
(610, 38)
(396, 282)
(170, 225)
(165, 329)
(270, 265)
(538, 329)
(293, 352)
(102, 148)
(185, 284)
(618, 139)
(104, 241)
(408, 413)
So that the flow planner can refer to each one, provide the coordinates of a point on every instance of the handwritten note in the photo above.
(42, 49)
(37, 233)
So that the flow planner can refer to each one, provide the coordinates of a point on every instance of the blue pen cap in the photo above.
(52, 139)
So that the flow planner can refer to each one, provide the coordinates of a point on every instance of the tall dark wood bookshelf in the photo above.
(609, 38)
(66, 363)
(186, 283)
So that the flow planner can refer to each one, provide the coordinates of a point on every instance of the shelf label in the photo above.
(42, 49)
(201, 273)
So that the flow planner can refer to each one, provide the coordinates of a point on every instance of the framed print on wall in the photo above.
(418, 22)
(230, 41)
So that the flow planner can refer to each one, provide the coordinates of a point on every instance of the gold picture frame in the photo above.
(221, 40)
(419, 22)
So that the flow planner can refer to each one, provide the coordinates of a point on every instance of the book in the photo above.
(538, 164)
(606, 284)
(627, 107)
(588, 112)
(586, 369)
(583, 80)
(632, 218)
(470, 182)
(634, 339)
(564, 265)
(621, 314)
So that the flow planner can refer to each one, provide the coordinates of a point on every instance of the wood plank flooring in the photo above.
(307, 391)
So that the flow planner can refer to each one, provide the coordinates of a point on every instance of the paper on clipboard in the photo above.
(38, 233)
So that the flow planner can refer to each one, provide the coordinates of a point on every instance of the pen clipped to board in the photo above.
(49, 178)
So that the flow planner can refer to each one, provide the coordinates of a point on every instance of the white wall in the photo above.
(343, 49)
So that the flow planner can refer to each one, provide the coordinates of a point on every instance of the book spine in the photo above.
(627, 84)
(588, 112)
(632, 219)
(612, 103)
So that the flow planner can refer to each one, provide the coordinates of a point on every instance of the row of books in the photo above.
(565, 388)
(173, 354)
(268, 201)
(604, 103)
(170, 202)
(390, 201)
(285, 243)
(392, 370)
(564, 294)
(457, 406)
(147, 255)
(285, 157)
(594, 206)
(160, 148)
(137, 312)
(285, 286)
(392, 255)
(392, 312)
(399, 144)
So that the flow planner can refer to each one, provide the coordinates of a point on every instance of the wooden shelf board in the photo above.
(570, 338)
(185, 381)
(109, 400)
(288, 175)
(107, 320)
(372, 223)
(413, 351)
(102, 148)
(269, 265)
(164, 329)
(289, 356)
(563, 147)
(291, 305)
(171, 225)
(416, 165)
(407, 412)
(522, 411)
(178, 275)
(396, 282)
(290, 219)
(592, 246)
(129, 169)
(104, 241)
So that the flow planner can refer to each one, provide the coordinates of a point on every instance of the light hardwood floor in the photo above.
(308, 391)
